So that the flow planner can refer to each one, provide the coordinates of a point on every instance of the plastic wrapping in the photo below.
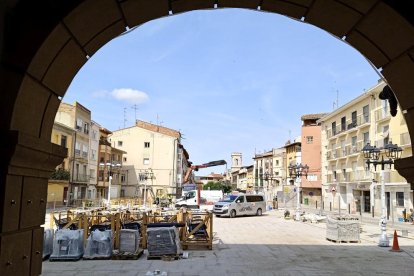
(99, 245)
(163, 241)
(67, 245)
(129, 240)
(47, 242)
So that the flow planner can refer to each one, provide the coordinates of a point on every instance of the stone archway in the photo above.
(44, 43)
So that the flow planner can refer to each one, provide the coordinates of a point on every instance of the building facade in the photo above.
(347, 182)
(311, 156)
(154, 159)
(78, 117)
(58, 184)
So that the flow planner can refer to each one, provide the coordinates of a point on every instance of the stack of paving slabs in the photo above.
(163, 241)
(129, 240)
(47, 243)
(67, 245)
(99, 245)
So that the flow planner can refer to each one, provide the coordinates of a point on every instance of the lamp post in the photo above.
(110, 166)
(145, 176)
(298, 171)
(372, 154)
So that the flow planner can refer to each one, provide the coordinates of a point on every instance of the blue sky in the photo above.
(230, 80)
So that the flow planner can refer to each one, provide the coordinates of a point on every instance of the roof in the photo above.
(315, 116)
(158, 128)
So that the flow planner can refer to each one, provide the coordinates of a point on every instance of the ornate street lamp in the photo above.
(372, 154)
(110, 167)
(297, 171)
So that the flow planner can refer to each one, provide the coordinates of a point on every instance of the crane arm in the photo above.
(205, 165)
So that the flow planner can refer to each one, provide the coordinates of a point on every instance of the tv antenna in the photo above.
(135, 107)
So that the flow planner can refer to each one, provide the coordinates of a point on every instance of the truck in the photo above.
(192, 195)
(194, 198)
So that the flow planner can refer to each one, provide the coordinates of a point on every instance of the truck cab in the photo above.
(189, 200)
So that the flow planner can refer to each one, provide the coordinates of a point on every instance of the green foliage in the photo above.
(60, 175)
(217, 186)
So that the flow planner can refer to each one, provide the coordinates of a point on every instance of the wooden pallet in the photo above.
(164, 257)
(97, 258)
(128, 255)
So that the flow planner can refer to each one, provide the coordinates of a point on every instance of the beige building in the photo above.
(155, 160)
(346, 182)
(59, 182)
(78, 117)
(269, 172)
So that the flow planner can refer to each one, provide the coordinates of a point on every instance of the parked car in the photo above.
(240, 205)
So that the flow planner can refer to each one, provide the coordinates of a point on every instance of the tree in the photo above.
(211, 185)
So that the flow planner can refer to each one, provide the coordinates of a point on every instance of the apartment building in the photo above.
(243, 179)
(78, 117)
(112, 175)
(269, 172)
(58, 183)
(346, 181)
(155, 160)
(311, 156)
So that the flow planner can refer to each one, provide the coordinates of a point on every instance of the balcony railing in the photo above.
(382, 114)
(350, 124)
(81, 178)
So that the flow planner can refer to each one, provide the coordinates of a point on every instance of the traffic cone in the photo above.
(395, 246)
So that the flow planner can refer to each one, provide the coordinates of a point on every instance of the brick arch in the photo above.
(44, 44)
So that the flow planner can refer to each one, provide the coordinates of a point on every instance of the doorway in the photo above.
(367, 201)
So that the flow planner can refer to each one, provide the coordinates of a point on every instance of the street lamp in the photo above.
(145, 176)
(110, 166)
(298, 171)
(372, 154)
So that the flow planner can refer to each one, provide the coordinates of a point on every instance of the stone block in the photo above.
(189, 5)
(28, 117)
(333, 17)
(295, 10)
(140, 11)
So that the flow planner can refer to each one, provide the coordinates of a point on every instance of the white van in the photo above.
(240, 205)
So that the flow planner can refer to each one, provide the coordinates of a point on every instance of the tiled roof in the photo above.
(315, 116)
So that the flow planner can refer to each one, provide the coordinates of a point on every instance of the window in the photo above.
(254, 198)
(400, 199)
(386, 134)
(240, 199)
(366, 138)
(309, 139)
(92, 173)
(123, 177)
(365, 112)
(146, 144)
(63, 141)
(146, 161)
(277, 162)
(354, 119)
(77, 148)
(343, 123)
(119, 143)
(79, 123)
(85, 151)
(334, 128)
(86, 128)
(125, 159)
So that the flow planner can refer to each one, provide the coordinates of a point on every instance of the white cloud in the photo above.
(130, 95)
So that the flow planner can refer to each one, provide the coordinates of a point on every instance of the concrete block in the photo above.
(365, 46)
(247, 4)
(189, 5)
(399, 76)
(295, 10)
(64, 68)
(47, 52)
(140, 11)
(28, 117)
(333, 17)
(92, 17)
(387, 30)
(104, 37)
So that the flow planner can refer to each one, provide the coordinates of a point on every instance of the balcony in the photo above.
(81, 178)
(350, 125)
(382, 115)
